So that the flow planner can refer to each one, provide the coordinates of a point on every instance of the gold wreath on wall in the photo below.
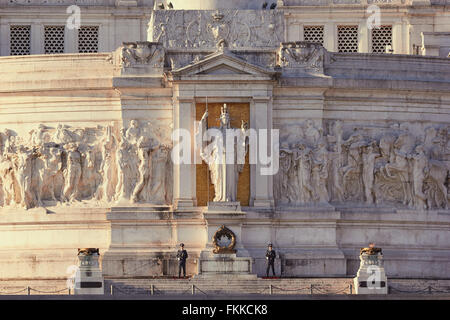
(224, 231)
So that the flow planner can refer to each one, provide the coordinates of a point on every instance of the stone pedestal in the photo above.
(224, 257)
(225, 266)
(89, 278)
(371, 278)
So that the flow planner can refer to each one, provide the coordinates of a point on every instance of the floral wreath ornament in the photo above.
(224, 231)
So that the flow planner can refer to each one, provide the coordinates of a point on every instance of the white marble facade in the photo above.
(86, 147)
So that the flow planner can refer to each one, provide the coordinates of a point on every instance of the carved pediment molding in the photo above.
(222, 65)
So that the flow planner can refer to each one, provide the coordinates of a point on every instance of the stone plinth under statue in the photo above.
(371, 278)
(89, 278)
(223, 262)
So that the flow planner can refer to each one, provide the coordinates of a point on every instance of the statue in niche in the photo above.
(224, 175)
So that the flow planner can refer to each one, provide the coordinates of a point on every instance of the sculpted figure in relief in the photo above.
(145, 169)
(368, 159)
(420, 172)
(320, 173)
(159, 160)
(283, 174)
(52, 171)
(23, 172)
(106, 170)
(303, 164)
(389, 167)
(72, 173)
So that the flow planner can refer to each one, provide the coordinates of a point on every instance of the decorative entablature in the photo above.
(223, 65)
(328, 3)
(152, 59)
(58, 2)
(206, 28)
(98, 3)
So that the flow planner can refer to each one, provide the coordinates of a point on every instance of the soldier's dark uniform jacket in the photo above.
(271, 255)
(183, 255)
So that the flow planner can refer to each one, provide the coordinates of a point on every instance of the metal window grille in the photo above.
(381, 39)
(53, 39)
(313, 34)
(347, 38)
(88, 39)
(20, 40)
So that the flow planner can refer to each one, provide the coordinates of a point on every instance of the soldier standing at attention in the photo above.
(270, 256)
(181, 257)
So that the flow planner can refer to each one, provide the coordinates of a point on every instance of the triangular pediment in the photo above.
(224, 65)
(223, 69)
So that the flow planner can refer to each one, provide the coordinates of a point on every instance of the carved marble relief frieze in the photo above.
(99, 165)
(398, 166)
(206, 28)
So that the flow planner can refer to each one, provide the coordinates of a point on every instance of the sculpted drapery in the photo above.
(225, 154)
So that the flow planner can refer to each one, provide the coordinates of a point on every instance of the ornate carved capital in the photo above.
(301, 55)
(141, 54)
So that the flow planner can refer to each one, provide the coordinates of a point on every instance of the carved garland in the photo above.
(224, 231)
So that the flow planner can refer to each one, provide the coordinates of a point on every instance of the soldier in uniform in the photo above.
(181, 257)
(270, 256)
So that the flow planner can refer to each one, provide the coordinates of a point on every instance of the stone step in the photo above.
(202, 286)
